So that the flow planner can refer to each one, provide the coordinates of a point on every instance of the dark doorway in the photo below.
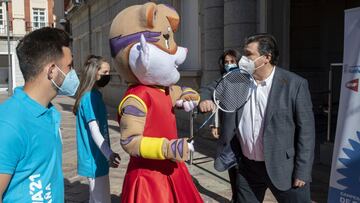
(4, 71)
(316, 41)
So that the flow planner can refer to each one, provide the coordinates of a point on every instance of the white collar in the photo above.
(269, 79)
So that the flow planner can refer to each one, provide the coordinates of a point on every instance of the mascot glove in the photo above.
(191, 146)
(186, 105)
(178, 149)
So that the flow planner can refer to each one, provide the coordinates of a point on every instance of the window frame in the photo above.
(38, 23)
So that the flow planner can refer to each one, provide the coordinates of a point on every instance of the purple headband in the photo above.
(120, 42)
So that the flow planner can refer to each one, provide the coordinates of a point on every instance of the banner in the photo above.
(345, 169)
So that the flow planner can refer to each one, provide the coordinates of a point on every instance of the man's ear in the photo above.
(148, 12)
(268, 57)
(49, 69)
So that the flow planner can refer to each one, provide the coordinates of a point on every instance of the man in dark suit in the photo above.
(272, 136)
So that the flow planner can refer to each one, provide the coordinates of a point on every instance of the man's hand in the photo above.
(298, 183)
(206, 106)
(114, 160)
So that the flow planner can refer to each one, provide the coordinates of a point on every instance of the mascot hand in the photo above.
(190, 95)
(188, 100)
(186, 105)
(178, 150)
(191, 146)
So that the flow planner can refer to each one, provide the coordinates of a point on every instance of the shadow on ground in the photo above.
(209, 193)
(78, 192)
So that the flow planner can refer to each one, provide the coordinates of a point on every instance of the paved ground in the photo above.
(213, 186)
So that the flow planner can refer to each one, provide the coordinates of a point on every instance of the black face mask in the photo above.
(104, 80)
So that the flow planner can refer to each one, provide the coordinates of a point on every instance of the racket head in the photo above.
(233, 90)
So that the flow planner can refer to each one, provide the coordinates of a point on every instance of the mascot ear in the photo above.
(174, 22)
(148, 12)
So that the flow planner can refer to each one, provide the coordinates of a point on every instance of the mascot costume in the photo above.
(143, 46)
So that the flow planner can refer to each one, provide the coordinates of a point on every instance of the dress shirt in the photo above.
(251, 125)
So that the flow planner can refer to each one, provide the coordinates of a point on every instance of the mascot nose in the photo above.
(166, 36)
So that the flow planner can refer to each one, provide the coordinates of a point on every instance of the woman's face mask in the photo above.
(248, 64)
(103, 81)
(230, 67)
(70, 83)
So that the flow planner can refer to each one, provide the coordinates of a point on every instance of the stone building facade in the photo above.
(309, 34)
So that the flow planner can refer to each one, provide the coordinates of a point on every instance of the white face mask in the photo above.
(248, 64)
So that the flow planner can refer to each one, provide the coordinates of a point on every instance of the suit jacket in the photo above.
(289, 131)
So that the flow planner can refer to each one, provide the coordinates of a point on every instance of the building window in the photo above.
(39, 18)
(2, 20)
(1, 17)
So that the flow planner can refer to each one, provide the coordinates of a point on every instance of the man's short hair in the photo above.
(39, 48)
(267, 45)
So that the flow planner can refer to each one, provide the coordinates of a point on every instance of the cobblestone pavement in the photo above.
(213, 186)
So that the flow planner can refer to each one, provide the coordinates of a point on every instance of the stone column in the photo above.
(213, 36)
(240, 20)
(190, 33)
(59, 12)
(278, 24)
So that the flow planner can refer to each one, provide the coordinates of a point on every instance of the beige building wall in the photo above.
(18, 18)
(39, 4)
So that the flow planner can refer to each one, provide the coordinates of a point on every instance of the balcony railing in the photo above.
(4, 28)
(30, 26)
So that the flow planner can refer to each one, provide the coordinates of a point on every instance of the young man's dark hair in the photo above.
(267, 45)
(39, 48)
(230, 52)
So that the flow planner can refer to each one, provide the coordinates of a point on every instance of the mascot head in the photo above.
(143, 45)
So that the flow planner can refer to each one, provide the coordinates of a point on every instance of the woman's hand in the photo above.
(114, 160)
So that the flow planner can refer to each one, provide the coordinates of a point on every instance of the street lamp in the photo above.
(10, 85)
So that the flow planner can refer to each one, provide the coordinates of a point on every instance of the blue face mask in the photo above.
(69, 85)
(230, 67)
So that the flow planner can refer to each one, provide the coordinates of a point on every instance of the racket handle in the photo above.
(216, 118)
(190, 139)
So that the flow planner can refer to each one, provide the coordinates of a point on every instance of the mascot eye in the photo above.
(169, 29)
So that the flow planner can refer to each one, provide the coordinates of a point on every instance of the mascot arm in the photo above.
(183, 93)
(184, 97)
(132, 122)
(132, 111)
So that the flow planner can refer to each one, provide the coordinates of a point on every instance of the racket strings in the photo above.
(230, 94)
(233, 91)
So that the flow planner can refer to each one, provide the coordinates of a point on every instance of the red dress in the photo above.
(157, 181)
